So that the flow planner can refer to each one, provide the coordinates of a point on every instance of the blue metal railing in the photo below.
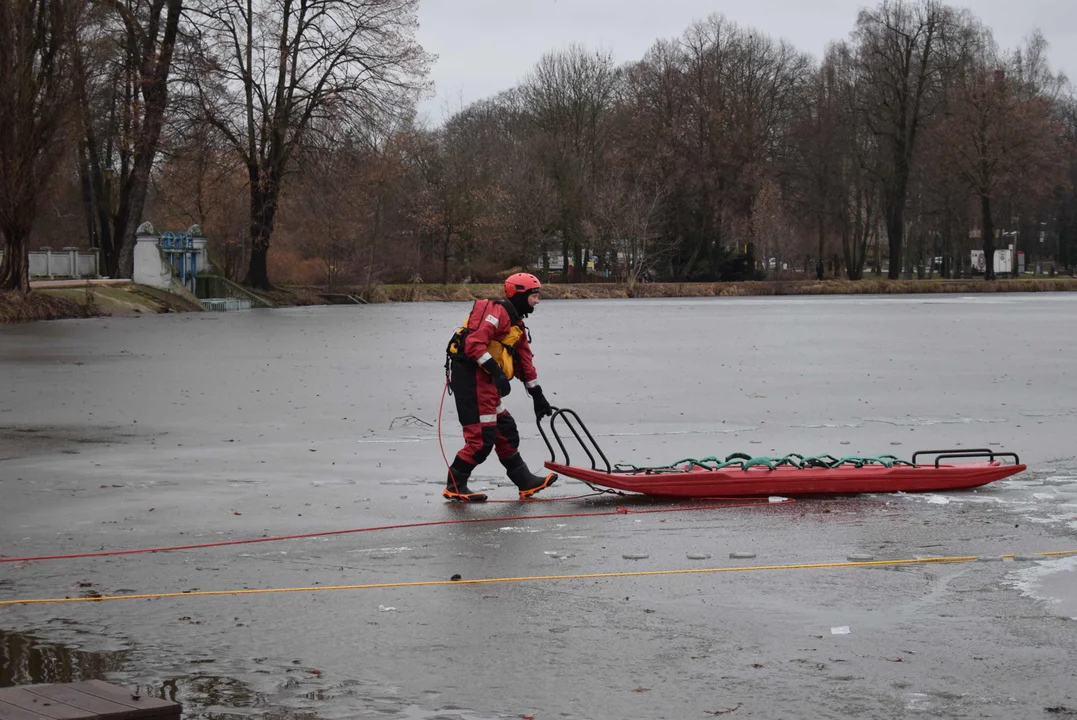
(179, 251)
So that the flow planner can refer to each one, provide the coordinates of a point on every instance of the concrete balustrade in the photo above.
(70, 262)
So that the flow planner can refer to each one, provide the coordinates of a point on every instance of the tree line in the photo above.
(288, 130)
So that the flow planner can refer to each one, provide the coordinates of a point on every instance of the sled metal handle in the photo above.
(566, 414)
(982, 452)
(991, 455)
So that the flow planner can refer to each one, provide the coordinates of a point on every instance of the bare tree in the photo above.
(526, 204)
(899, 51)
(265, 73)
(998, 133)
(816, 145)
(97, 67)
(627, 211)
(343, 203)
(567, 97)
(1065, 205)
(36, 37)
(717, 108)
(773, 232)
(456, 196)
(1033, 75)
(147, 37)
(859, 174)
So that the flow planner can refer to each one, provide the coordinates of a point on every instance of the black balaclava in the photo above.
(519, 301)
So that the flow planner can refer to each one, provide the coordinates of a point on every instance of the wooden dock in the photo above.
(87, 700)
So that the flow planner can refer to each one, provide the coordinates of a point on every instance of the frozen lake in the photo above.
(183, 429)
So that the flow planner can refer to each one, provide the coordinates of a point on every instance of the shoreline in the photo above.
(82, 300)
(591, 291)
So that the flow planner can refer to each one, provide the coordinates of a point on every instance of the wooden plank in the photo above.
(14, 712)
(26, 700)
(92, 705)
(122, 696)
(87, 700)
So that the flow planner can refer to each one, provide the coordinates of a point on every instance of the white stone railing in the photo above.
(67, 263)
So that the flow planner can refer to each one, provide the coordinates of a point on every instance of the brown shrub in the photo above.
(286, 266)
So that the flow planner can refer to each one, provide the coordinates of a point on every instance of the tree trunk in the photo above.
(97, 192)
(264, 192)
(87, 195)
(375, 231)
(988, 237)
(257, 272)
(132, 200)
(864, 235)
(895, 230)
(110, 255)
(15, 267)
(445, 257)
(822, 238)
(855, 249)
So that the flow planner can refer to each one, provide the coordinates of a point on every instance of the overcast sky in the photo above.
(485, 46)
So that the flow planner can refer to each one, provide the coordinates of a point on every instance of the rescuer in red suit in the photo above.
(484, 355)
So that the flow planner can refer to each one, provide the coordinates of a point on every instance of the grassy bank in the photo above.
(62, 300)
(462, 293)
(39, 305)
(87, 301)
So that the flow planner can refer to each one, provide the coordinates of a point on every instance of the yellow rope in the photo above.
(531, 578)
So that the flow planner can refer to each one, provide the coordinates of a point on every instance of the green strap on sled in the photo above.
(744, 461)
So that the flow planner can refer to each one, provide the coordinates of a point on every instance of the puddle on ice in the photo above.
(380, 551)
(928, 421)
(28, 660)
(1053, 581)
(1060, 480)
(1044, 413)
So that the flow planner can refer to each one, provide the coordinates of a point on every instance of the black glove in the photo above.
(498, 375)
(542, 405)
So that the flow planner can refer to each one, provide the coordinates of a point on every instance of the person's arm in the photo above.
(526, 360)
(491, 319)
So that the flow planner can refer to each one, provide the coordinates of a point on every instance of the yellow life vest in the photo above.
(503, 351)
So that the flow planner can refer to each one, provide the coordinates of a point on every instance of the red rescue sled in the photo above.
(790, 482)
(793, 475)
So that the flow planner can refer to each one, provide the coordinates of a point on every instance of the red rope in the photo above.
(621, 510)
(440, 443)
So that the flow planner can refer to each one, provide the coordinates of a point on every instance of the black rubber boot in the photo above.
(456, 485)
(523, 479)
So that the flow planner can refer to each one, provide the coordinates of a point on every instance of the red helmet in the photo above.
(521, 283)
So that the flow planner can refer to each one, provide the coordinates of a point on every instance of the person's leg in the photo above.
(478, 416)
(507, 442)
(508, 452)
